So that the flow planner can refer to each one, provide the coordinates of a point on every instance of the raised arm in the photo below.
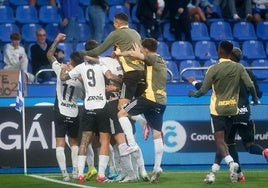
(52, 49)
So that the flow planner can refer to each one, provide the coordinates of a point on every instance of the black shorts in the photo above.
(245, 130)
(112, 110)
(221, 123)
(243, 115)
(153, 112)
(133, 84)
(95, 120)
(65, 125)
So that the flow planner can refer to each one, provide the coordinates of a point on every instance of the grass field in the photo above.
(255, 178)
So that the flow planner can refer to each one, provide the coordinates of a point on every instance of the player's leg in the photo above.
(220, 124)
(247, 135)
(61, 130)
(72, 132)
(87, 125)
(155, 119)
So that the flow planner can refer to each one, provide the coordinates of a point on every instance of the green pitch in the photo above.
(169, 179)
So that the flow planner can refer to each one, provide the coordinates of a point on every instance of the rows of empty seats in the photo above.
(198, 53)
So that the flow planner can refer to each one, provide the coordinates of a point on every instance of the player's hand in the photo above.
(191, 93)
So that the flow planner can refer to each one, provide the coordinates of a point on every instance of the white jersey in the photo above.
(67, 93)
(94, 83)
(112, 64)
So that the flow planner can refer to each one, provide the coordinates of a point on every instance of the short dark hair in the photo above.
(236, 54)
(121, 16)
(15, 36)
(76, 58)
(150, 43)
(91, 44)
(227, 46)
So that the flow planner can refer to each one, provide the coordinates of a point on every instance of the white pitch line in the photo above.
(61, 182)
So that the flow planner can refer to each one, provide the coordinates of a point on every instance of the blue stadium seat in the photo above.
(80, 46)
(253, 49)
(67, 48)
(108, 28)
(84, 32)
(6, 15)
(6, 30)
(28, 32)
(244, 63)
(235, 43)
(210, 62)
(266, 48)
(29, 51)
(118, 9)
(115, 2)
(167, 35)
(52, 30)
(163, 50)
(262, 31)
(42, 2)
(16, 3)
(205, 50)
(84, 3)
(221, 31)
(173, 67)
(184, 73)
(263, 73)
(182, 50)
(107, 52)
(199, 31)
(243, 31)
(81, 15)
(26, 14)
(49, 14)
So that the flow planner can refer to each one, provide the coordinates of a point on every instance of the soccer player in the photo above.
(122, 39)
(95, 117)
(66, 109)
(243, 123)
(152, 103)
(113, 89)
(224, 78)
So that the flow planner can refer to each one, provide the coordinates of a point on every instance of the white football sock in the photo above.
(127, 128)
(103, 163)
(141, 120)
(228, 159)
(158, 152)
(90, 156)
(81, 164)
(112, 167)
(74, 154)
(215, 168)
(60, 155)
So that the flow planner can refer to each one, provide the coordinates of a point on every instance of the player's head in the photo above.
(149, 44)
(120, 19)
(75, 59)
(236, 54)
(225, 48)
(91, 44)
